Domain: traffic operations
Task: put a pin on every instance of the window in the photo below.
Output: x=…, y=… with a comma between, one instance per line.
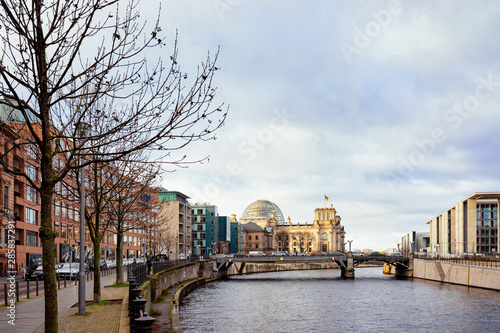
x=57, y=208
x=31, y=171
x=256, y=237
x=31, y=238
x=57, y=229
x=63, y=210
x=63, y=190
x=324, y=236
x=256, y=246
x=31, y=150
x=30, y=216
x=6, y=196
x=64, y=230
x=249, y=237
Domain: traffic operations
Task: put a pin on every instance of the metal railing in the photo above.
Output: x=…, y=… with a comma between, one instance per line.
x=159, y=266
x=28, y=288
x=138, y=271
x=477, y=262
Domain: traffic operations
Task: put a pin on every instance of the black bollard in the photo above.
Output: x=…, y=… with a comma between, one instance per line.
x=134, y=293
x=138, y=307
x=144, y=324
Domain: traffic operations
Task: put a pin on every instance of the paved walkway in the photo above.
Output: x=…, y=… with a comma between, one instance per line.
x=30, y=313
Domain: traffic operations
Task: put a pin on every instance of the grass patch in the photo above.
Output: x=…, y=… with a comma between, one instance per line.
x=154, y=312
x=121, y=285
x=101, y=303
x=162, y=296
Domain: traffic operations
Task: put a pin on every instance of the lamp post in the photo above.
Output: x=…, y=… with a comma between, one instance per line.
x=83, y=131
x=349, y=241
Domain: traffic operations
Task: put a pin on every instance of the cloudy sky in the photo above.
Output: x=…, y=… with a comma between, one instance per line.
x=389, y=108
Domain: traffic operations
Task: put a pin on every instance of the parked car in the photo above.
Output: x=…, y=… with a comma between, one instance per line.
x=335, y=254
x=299, y=254
x=111, y=263
x=29, y=272
x=256, y=254
x=395, y=254
x=279, y=253
x=318, y=253
x=358, y=254
x=377, y=254
x=37, y=273
x=69, y=270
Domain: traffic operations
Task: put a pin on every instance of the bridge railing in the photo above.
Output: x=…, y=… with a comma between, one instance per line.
x=470, y=261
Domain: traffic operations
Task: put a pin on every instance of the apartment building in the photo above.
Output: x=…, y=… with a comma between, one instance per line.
x=20, y=207
x=175, y=225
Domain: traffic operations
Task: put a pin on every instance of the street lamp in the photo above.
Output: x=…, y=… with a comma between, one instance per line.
x=349, y=241
x=83, y=130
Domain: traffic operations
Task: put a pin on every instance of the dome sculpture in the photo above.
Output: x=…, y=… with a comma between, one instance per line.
x=261, y=210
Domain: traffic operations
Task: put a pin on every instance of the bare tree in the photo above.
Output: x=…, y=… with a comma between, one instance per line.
x=108, y=182
x=131, y=182
x=282, y=240
x=66, y=63
x=303, y=241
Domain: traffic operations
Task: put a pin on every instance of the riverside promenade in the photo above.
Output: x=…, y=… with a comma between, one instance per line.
x=30, y=312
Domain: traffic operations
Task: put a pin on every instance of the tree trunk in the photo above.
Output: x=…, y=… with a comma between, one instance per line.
x=97, y=272
x=118, y=257
x=47, y=236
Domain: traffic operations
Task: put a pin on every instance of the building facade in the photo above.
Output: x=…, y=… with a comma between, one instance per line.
x=205, y=229
x=223, y=234
x=175, y=225
x=21, y=206
x=256, y=238
x=324, y=234
x=236, y=242
x=469, y=227
x=413, y=242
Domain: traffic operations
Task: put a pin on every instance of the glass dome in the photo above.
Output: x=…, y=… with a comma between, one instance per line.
x=262, y=210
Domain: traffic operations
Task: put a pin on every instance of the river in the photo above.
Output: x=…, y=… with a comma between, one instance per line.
x=320, y=301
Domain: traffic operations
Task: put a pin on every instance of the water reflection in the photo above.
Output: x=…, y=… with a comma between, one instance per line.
x=320, y=301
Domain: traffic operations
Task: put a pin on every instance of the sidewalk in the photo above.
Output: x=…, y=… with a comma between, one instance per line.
x=30, y=312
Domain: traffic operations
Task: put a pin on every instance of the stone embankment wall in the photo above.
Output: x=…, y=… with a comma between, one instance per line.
x=251, y=268
x=472, y=276
x=189, y=271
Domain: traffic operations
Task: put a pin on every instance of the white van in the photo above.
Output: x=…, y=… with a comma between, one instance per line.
x=256, y=253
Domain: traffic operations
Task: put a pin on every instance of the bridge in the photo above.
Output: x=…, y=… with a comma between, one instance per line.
x=347, y=264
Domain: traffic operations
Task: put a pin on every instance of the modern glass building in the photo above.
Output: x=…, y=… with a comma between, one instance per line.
x=236, y=243
x=469, y=227
x=205, y=229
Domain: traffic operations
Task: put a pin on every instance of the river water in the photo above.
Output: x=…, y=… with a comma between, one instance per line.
x=320, y=301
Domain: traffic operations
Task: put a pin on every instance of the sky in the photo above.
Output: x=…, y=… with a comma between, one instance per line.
x=389, y=108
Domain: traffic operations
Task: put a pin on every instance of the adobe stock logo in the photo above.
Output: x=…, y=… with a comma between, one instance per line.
x=453, y=119
x=362, y=38
x=248, y=150
x=224, y=6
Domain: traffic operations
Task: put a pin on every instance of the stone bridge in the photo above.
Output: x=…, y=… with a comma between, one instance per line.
x=347, y=263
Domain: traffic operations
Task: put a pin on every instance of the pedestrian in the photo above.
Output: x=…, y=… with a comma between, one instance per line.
x=149, y=263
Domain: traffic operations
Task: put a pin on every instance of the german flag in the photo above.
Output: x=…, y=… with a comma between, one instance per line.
x=326, y=198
